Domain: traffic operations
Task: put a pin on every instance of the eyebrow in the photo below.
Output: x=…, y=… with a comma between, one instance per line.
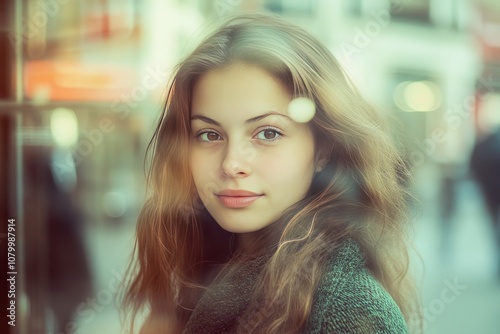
x=248, y=121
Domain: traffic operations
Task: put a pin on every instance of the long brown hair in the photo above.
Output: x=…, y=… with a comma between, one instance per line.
x=360, y=193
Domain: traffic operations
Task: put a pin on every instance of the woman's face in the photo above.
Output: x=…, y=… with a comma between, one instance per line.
x=249, y=161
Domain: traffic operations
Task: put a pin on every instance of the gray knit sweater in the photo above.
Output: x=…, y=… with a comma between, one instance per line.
x=347, y=300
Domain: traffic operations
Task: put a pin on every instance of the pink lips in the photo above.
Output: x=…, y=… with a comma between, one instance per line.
x=237, y=198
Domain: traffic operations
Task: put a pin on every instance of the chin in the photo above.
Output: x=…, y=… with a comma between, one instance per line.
x=235, y=227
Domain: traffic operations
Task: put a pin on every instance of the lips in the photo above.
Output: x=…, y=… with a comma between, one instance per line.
x=237, y=198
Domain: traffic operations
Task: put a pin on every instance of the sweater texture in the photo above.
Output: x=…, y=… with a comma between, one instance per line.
x=348, y=299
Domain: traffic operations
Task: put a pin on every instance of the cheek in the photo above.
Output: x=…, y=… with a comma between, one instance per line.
x=204, y=170
x=196, y=161
x=287, y=166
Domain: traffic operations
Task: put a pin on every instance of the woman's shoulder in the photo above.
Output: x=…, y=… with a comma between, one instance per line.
x=350, y=300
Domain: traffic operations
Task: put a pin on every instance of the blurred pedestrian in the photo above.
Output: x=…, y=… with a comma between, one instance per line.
x=58, y=275
x=485, y=161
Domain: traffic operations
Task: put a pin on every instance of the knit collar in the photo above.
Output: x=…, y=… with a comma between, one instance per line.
x=219, y=308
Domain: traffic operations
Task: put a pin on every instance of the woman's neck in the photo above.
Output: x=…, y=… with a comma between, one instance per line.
x=246, y=242
x=256, y=243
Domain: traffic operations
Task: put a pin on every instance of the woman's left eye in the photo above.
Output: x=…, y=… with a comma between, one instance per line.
x=269, y=134
x=208, y=136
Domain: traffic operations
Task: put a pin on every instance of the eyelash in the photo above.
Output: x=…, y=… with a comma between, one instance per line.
x=200, y=133
x=278, y=132
x=273, y=129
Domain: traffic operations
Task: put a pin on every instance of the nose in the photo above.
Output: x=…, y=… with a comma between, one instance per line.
x=236, y=161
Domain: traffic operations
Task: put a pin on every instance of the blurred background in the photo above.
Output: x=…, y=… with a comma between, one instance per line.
x=82, y=84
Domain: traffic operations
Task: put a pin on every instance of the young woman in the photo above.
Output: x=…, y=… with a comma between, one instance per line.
x=258, y=221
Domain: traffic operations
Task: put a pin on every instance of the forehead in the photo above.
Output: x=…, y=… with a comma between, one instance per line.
x=239, y=87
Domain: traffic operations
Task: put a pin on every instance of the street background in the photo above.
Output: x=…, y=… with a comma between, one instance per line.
x=82, y=86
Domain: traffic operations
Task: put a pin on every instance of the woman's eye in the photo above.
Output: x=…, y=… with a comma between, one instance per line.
x=209, y=136
x=268, y=134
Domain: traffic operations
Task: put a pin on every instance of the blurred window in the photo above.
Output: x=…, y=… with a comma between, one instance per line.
x=295, y=7
x=415, y=10
x=353, y=7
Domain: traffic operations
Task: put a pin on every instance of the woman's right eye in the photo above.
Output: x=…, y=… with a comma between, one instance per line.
x=208, y=136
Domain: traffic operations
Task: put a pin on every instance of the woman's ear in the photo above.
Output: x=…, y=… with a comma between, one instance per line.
x=322, y=157
x=320, y=164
